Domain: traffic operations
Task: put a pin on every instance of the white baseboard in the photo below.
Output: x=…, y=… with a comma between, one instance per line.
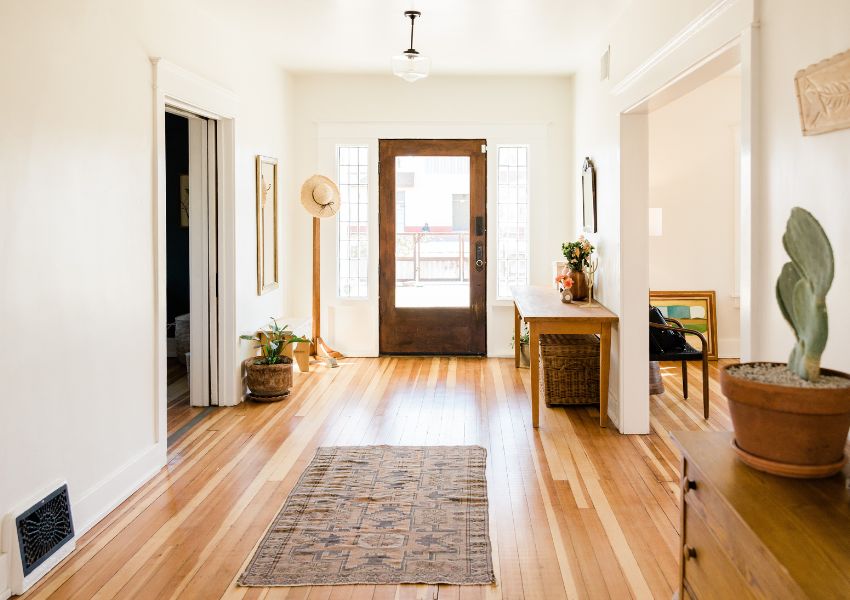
x=96, y=503
x=5, y=591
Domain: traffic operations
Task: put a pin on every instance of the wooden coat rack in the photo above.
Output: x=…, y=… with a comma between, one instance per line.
x=318, y=342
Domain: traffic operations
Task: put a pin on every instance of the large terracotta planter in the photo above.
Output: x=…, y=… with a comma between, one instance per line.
x=789, y=431
x=580, y=288
x=268, y=383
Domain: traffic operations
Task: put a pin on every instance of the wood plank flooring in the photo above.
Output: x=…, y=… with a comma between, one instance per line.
x=180, y=413
x=576, y=511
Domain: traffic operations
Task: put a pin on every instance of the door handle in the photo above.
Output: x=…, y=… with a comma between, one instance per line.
x=479, y=256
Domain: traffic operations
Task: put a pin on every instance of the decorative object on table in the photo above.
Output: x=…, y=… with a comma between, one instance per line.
x=668, y=341
x=823, y=95
x=267, y=251
x=565, y=283
x=792, y=419
x=558, y=267
x=695, y=310
x=588, y=194
x=410, y=65
x=569, y=365
x=524, y=337
x=577, y=255
x=590, y=274
x=320, y=197
x=380, y=515
x=184, y=201
x=269, y=376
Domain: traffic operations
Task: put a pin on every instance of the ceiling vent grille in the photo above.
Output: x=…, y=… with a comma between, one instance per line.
x=44, y=535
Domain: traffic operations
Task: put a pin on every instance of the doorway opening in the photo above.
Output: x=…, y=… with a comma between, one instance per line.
x=433, y=240
x=694, y=221
x=191, y=269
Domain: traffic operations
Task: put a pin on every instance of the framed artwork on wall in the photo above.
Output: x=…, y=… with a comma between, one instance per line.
x=588, y=195
x=267, y=250
x=695, y=310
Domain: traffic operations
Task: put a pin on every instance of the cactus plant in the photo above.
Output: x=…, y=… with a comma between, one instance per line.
x=801, y=290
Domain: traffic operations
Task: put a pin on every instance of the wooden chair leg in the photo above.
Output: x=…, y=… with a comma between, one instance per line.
x=685, y=378
x=705, y=398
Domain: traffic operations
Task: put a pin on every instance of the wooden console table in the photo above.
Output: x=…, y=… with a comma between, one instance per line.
x=747, y=534
x=542, y=309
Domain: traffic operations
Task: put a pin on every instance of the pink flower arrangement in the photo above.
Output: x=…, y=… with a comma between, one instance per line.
x=564, y=280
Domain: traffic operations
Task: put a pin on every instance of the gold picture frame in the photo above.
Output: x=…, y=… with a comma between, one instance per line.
x=695, y=310
x=267, y=217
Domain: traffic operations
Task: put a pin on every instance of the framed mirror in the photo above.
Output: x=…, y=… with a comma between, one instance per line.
x=588, y=193
x=267, y=251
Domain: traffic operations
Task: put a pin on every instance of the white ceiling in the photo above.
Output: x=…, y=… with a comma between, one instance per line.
x=460, y=36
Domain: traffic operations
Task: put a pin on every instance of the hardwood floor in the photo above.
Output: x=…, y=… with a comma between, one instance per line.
x=180, y=413
x=576, y=511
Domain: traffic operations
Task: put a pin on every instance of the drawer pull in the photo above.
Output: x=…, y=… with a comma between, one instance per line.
x=690, y=484
x=690, y=552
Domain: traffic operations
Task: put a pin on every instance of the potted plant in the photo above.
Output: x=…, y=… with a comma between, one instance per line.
x=269, y=376
x=792, y=419
x=577, y=255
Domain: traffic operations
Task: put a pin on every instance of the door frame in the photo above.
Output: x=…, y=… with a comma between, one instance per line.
x=183, y=90
x=702, y=42
x=476, y=150
x=351, y=324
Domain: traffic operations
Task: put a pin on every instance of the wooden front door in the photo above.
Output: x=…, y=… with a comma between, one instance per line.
x=433, y=247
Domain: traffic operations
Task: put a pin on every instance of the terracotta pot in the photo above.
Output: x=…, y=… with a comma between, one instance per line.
x=789, y=431
x=268, y=382
x=579, y=289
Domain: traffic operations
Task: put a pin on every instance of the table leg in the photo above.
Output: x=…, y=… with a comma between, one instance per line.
x=604, y=369
x=517, y=329
x=533, y=342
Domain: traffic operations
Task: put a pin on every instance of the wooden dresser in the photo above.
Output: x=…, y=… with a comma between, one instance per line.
x=746, y=534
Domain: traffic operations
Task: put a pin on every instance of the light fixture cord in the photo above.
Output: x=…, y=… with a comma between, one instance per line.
x=412, y=21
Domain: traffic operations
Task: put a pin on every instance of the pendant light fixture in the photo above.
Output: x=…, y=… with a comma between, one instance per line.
x=411, y=66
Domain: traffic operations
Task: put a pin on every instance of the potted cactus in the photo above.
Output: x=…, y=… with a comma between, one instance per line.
x=269, y=376
x=792, y=419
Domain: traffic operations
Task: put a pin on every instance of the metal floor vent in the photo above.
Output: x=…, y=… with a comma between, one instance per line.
x=44, y=528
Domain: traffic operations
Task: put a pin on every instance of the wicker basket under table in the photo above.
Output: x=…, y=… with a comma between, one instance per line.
x=569, y=369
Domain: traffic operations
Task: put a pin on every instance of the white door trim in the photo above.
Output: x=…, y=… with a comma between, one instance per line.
x=182, y=89
x=733, y=27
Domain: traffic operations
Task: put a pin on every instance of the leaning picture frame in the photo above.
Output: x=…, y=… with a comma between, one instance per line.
x=696, y=310
x=267, y=218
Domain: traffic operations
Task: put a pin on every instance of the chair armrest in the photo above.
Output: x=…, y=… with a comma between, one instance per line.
x=676, y=321
x=681, y=329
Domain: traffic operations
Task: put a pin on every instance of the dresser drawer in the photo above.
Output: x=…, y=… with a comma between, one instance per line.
x=708, y=571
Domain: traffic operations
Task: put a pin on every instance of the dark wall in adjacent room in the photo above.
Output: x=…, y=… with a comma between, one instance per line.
x=177, y=237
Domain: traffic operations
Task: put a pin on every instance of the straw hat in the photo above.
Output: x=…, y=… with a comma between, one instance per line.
x=320, y=196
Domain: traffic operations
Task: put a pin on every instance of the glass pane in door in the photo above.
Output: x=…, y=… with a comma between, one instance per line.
x=432, y=231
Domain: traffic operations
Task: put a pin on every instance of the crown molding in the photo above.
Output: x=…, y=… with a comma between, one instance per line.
x=711, y=14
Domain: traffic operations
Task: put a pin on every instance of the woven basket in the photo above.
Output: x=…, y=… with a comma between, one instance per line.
x=569, y=369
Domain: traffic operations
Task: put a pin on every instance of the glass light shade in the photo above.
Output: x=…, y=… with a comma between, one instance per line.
x=411, y=67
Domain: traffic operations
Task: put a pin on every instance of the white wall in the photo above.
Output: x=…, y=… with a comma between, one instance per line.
x=334, y=109
x=77, y=372
x=693, y=179
x=811, y=172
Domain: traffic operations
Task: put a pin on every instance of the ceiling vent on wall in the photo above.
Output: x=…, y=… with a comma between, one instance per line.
x=38, y=537
x=605, y=65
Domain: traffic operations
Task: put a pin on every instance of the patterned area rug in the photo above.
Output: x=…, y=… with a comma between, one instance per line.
x=381, y=515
